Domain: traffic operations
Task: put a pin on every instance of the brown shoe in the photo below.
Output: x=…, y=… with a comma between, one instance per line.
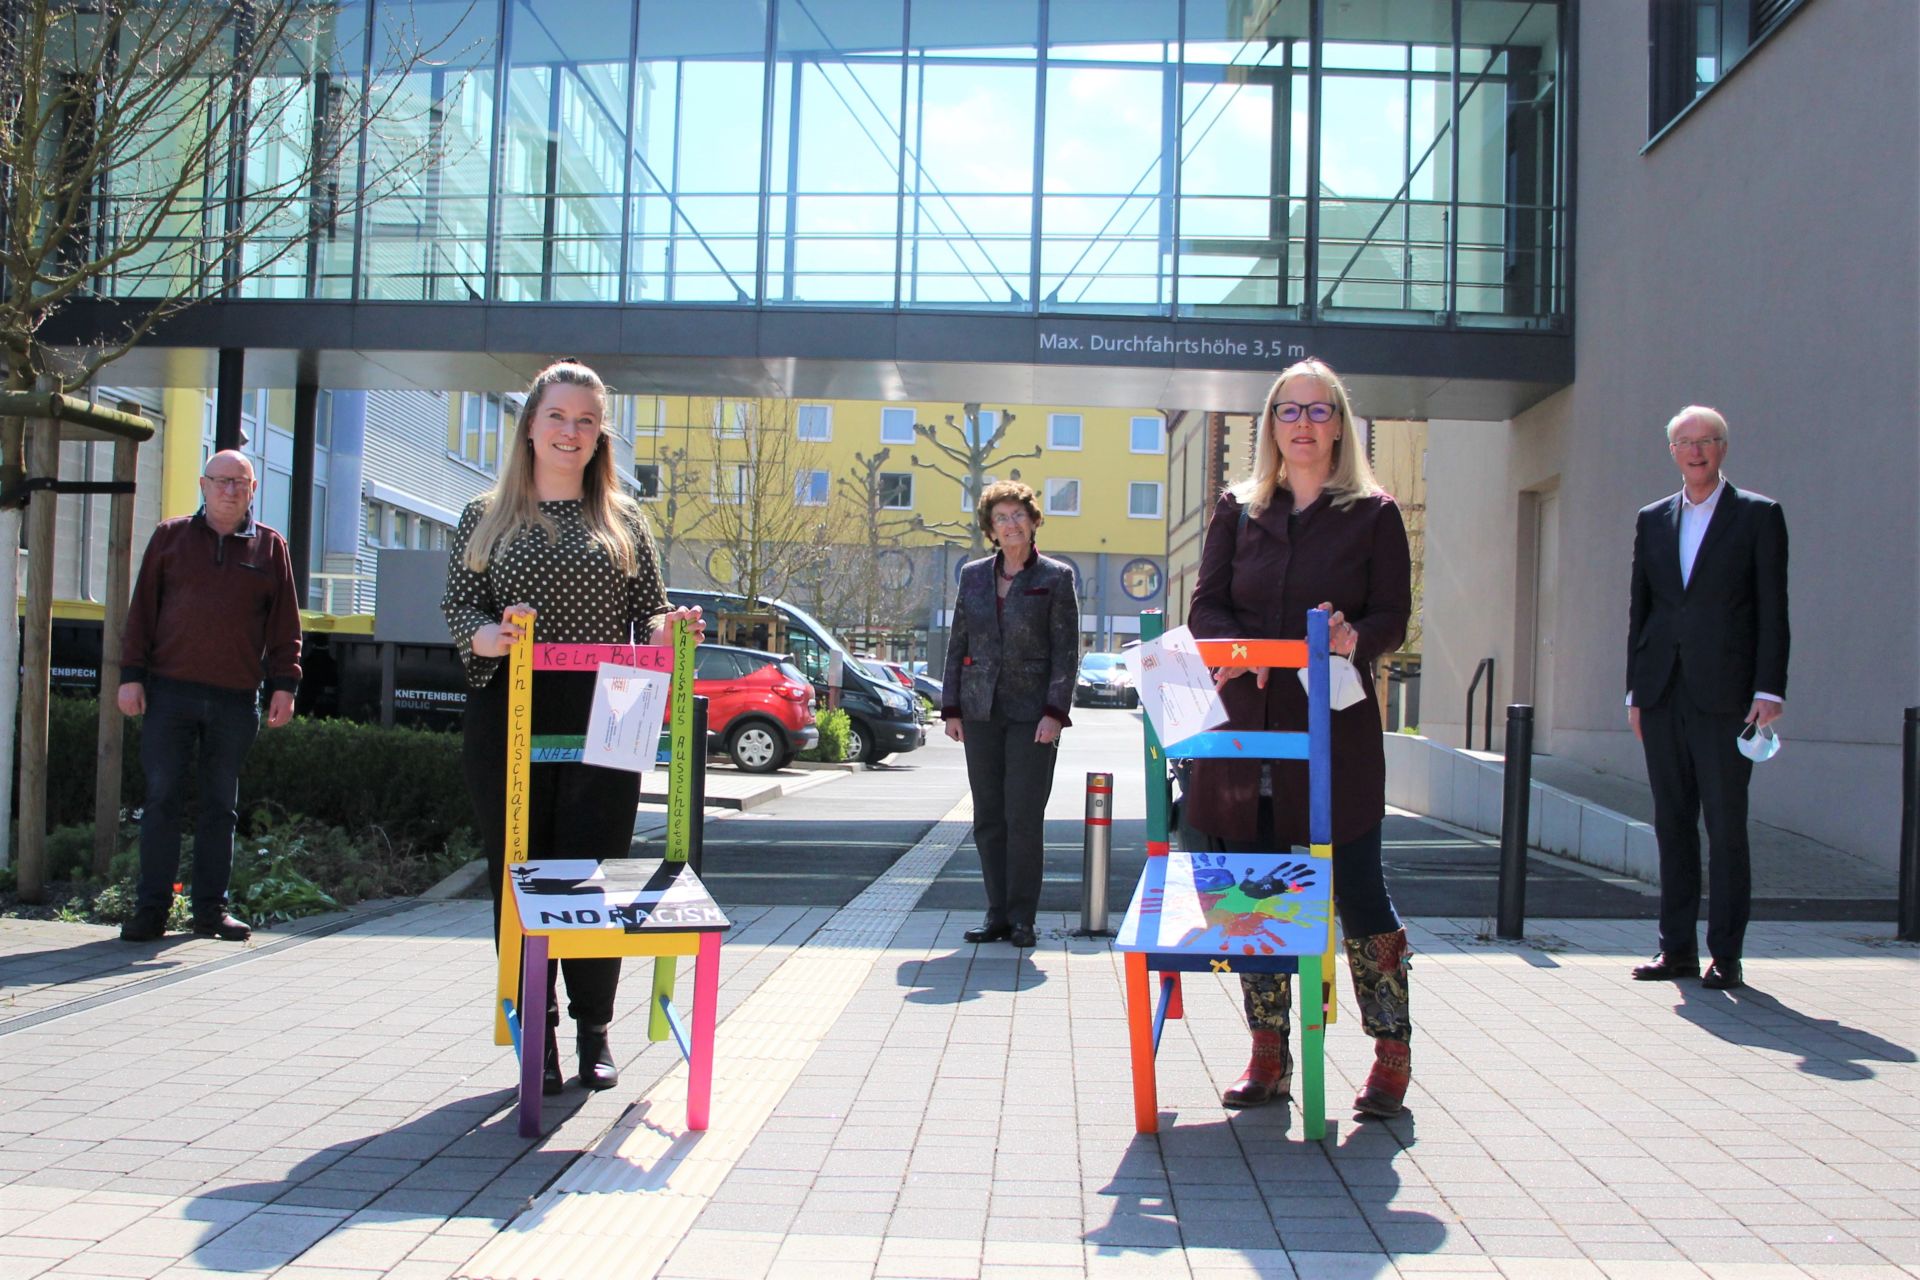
x=1268, y=1077
x=220, y=925
x=1385, y=1091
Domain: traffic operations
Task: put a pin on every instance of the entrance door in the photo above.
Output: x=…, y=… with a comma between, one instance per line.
x=1546, y=610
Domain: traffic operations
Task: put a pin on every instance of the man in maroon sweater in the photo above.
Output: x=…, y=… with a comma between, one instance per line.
x=214, y=614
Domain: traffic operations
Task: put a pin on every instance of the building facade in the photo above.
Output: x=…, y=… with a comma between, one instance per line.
x=1748, y=241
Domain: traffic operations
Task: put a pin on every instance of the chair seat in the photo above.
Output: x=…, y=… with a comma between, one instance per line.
x=1258, y=912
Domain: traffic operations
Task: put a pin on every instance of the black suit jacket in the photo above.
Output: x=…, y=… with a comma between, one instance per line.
x=1022, y=655
x=1727, y=626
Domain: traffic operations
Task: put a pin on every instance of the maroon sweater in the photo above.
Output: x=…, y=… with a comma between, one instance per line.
x=214, y=609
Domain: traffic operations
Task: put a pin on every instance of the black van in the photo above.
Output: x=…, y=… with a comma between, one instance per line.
x=884, y=718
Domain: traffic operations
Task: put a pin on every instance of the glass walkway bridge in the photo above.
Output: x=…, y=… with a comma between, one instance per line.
x=1135, y=201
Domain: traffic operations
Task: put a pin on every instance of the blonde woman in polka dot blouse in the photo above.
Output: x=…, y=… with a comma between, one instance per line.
x=556, y=547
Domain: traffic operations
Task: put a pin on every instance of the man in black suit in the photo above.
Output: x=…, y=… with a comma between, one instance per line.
x=1707, y=646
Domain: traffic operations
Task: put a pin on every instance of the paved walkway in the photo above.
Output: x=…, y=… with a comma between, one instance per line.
x=892, y=1102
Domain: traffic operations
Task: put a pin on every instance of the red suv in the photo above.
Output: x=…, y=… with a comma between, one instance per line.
x=759, y=706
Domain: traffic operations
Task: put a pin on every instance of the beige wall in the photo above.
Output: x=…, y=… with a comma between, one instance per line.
x=1761, y=258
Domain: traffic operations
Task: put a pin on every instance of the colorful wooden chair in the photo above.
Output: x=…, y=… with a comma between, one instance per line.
x=1237, y=913
x=654, y=908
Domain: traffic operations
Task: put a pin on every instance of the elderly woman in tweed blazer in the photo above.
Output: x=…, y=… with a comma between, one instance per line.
x=1011, y=658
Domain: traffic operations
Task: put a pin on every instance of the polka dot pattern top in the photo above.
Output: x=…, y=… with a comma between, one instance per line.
x=574, y=586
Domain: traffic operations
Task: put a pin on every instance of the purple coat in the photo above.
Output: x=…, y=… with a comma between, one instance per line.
x=1260, y=578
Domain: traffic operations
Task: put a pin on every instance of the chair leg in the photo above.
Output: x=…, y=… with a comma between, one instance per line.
x=1146, y=1103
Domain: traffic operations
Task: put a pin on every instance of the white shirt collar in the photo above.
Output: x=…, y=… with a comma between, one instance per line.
x=1712, y=498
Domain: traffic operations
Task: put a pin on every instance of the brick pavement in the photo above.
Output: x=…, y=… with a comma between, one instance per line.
x=335, y=1108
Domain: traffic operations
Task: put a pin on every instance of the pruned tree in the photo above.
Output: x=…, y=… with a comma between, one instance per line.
x=862, y=591
x=167, y=153
x=968, y=456
x=677, y=509
x=768, y=517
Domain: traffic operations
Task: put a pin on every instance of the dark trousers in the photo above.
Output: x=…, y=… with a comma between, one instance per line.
x=1695, y=769
x=573, y=811
x=184, y=719
x=1011, y=777
x=1359, y=881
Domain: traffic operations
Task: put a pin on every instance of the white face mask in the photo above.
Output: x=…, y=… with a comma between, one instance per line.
x=1343, y=683
x=1758, y=744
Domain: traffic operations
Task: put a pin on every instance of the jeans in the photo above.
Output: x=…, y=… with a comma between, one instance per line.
x=221, y=724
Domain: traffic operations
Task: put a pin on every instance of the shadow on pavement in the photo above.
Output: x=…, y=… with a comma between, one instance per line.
x=465, y=1159
x=957, y=978
x=1248, y=1182
x=1828, y=1048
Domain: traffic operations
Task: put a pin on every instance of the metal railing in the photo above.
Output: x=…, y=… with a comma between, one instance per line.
x=1484, y=669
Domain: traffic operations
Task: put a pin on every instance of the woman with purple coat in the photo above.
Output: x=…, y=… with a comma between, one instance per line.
x=1310, y=528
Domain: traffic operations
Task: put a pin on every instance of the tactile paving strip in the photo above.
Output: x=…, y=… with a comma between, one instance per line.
x=623, y=1207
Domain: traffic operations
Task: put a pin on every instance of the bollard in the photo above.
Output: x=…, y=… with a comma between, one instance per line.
x=1910, y=828
x=1513, y=822
x=1095, y=857
x=697, y=828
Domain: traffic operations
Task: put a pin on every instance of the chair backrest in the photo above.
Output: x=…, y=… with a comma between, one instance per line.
x=1225, y=906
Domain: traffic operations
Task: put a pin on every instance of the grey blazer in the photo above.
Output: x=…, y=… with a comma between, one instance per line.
x=1019, y=660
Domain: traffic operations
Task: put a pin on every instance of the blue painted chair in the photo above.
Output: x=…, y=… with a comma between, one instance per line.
x=1237, y=913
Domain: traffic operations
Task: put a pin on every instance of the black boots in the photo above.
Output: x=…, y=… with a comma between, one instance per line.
x=551, y=1081
x=148, y=924
x=596, y=1059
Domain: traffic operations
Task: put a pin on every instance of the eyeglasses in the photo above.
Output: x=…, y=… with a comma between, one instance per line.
x=1703, y=442
x=1318, y=411
x=229, y=484
x=1006, y=519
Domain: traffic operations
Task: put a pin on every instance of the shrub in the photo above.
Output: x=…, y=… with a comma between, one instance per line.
x=833, y=725
x=336, y=772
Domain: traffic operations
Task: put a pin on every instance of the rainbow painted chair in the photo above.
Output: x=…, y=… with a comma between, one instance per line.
x=1236, y=912
x=566, y=908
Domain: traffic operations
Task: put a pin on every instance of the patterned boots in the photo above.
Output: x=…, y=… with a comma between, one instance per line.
x=1379, y=965
x=1269, y=1075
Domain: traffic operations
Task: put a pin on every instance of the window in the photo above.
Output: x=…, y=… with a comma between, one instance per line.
x=810, y=488
x=1063, y=497
x=730, y=484
x=896, y=425
x=980, y=428
x=1063, y=431
x=1143, y=500
x=646, y=480
x=710, y=663
x=896, y=490
x=649, y=415
x=481, y=420
x=1147, y=434
x=731, y=418
x=814, y=421
x=1695, y=43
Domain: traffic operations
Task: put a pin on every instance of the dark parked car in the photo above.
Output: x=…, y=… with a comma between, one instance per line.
x=1104, y=678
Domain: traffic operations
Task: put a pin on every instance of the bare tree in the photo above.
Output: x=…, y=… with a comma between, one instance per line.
x=768, y=514
x=968, y=456
x=676, y=510
x=863, y=592
x=167, y=153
